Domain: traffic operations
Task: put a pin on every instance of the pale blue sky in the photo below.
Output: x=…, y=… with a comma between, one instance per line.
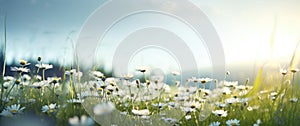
x=41, y=28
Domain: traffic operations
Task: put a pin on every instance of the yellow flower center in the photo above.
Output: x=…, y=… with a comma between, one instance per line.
x=13, y=111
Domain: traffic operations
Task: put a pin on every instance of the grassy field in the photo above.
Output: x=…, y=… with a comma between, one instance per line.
x=73, y=100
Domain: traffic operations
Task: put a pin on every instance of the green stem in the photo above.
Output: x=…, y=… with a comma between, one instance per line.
x=9, y=91
x=4, y=63
x=43, y=74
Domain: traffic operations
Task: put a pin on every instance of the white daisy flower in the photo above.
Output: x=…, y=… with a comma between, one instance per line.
x=40, y=84
x=20, y=69
x=15, y=109
x=294, y=70
x=83, y=121
x=226, y=91
x=215, y=124
x=127, y=76
x=220, y=105
x=49, y=108
x=294, y=99
x=233, y=122
x=142, y=69
x=104, y=108
x=6, y=113
x=188, y=117
x=220, y=113
x=283, y=71
x=175, y=73
x=97, y=74
x=230, y=101
x=205, y=80
x=75, y=101
x=73, y=73
x=143, y=112
x=230, y=83
x=23, y=62
x=38, y=77
x=9, y=78
x=44, y=66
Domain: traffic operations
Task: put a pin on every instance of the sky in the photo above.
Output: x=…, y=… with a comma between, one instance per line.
x=50, y=29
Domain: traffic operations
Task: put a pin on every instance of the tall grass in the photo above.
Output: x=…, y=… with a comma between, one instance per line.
x=4, y=64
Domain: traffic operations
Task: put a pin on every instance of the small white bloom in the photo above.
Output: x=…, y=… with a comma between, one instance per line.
x=294, y=99
x=44, y=66
x=15, y=109
x=175, y=73
x=230, y=101
x=142, y=69
x=233, y=122
x=230, y=83
x=49, y=108
x=143, y=112
x=226, y=91
x=97, y=74
x=215, y=124
x=188, y=117
x=20, y=69
x=6, y=113
x=75, y=101
x=205, y=80
x=221, y=113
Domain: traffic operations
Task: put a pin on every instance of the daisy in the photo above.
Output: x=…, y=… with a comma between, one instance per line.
x=40, y=84
x=233, y=122
x=142, y=69
x=283, y=71
x=75, y=101
x=226, y=91
x=127, y=76
x=175, y=73
x=215, y=124
x=258, y=122
x=9, y=78
x=230, y=83
x=143, y=112
x=220, y=105
x=220, y=113
x=73, y=73
x=44, y=66
x=23, y=62
x=6, y=113
x=38, y=77
x=294, y=99
x=230, y=101
x=97, y=74
x=53, y=80
x=49, y=108
x=26, y=77
x=20, y=69
x=83, y=121
x=15, y=109
x=204, y=80
x=294, y=70
x=188, y=117
x=104, y=108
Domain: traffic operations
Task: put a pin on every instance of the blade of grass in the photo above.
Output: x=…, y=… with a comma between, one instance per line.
x=4, y=62
x=296, y=56
x=257, y=84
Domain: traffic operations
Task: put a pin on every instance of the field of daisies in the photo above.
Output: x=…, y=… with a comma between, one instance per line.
x=92, y=98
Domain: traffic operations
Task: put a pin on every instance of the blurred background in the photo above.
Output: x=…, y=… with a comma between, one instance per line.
x=251, y=32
